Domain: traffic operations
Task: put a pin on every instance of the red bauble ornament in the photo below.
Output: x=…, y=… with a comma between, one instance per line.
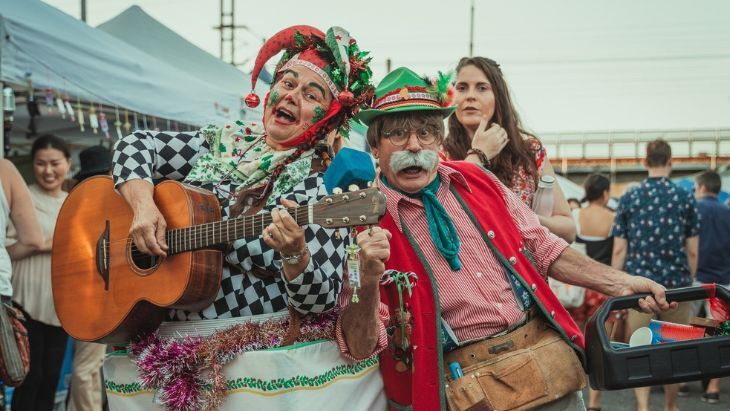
x=252, y=100
x=347, y=99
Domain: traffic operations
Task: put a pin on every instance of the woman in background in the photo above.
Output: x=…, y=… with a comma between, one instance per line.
x=16, y=207
x=32, y=279
x=594, y=221
x=486, y=130
x=593, y=229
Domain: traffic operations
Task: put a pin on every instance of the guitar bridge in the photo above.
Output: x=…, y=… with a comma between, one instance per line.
x=102, y=256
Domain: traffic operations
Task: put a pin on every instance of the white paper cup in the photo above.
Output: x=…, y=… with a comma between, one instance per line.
x=641, y=336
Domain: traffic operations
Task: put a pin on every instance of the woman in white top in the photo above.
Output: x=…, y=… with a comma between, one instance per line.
x=32, y=279
x=16, y=207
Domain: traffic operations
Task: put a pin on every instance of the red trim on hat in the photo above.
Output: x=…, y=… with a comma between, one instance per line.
x=409, y=102
x=398, y=91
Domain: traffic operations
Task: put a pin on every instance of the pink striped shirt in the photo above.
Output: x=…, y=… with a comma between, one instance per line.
x=477, y=301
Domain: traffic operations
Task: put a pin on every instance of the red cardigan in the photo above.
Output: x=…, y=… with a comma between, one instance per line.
x=421, y=386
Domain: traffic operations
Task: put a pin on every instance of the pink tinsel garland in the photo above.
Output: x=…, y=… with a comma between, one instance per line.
x=175, y=367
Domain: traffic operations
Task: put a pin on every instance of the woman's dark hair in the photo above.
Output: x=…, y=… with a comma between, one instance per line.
x=518, y=151
x=50, y=141
x=595, y=185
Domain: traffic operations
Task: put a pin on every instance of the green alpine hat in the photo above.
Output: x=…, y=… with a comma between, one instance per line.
x=403, y=90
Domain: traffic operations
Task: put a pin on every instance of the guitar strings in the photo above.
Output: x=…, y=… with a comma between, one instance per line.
x=201, y=233
x=204, y=233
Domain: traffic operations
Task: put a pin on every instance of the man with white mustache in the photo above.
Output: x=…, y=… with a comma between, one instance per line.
x=424, y=159
x=453, y=292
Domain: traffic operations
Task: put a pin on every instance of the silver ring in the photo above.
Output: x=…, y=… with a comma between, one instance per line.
x=270, y=234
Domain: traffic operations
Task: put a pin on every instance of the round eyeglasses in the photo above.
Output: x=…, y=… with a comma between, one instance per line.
x=425, y=135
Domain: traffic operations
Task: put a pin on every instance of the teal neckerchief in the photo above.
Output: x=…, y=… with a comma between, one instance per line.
x=442, y=228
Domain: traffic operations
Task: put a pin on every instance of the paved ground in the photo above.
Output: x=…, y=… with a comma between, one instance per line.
x=625, y=400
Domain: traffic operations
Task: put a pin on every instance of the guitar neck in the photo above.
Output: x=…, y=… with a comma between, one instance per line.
x=212, y=235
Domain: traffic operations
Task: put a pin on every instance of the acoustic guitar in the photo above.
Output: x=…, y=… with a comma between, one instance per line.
x=105, y=290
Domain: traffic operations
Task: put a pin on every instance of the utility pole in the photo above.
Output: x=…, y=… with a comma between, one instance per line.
x=83, y=11
x=471, y=31
x=387, y=65
x=227, y=28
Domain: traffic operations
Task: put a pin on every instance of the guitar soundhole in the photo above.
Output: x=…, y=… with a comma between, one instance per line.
x=144, y=261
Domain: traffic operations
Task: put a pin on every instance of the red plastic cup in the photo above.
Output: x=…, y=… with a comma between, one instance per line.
x=664, y=332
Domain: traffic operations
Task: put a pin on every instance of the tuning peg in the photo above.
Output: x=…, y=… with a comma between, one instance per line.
x=370, y=184
x=336, y=190
x=353, y=187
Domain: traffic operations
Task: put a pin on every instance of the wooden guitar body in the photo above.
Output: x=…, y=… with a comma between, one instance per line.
x=106, y=291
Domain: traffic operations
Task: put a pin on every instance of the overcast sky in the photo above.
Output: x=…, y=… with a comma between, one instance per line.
x=571, y=64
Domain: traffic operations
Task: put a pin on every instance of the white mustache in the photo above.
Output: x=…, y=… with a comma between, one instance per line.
x=425, y=159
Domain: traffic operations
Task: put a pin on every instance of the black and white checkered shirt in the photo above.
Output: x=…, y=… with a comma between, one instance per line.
x=152, y=155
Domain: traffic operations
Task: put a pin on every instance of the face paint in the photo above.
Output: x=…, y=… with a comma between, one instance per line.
x=273, y=98
x=318, y=114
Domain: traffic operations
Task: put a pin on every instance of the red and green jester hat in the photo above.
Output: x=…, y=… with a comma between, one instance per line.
x=336, y=58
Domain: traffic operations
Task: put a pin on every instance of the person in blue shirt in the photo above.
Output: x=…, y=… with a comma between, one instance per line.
x=714, y=259
x=656, y=236
x=714, y=262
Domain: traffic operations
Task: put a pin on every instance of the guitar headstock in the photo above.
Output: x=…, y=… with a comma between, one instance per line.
x=351, y=208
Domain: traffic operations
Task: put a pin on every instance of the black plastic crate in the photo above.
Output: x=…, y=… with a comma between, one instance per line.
x=613, y=369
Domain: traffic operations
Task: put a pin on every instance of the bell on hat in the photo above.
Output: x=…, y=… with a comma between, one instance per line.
x=252, y=100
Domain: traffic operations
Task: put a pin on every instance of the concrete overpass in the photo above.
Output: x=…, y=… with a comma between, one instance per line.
x=620, y=153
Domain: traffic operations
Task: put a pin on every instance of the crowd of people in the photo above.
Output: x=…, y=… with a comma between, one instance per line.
x=443, y=305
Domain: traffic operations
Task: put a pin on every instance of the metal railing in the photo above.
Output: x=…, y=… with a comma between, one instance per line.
x=611, y=147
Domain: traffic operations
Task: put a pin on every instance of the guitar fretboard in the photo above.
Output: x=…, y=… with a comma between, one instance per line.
x=213, y=234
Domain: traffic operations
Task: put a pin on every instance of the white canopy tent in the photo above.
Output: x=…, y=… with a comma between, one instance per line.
x=67, y=55
x=139, y=29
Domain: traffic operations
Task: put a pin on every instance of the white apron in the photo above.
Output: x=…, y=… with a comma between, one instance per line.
x=307, y=376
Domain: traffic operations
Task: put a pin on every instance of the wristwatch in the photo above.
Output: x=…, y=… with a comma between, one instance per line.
x=294, y=258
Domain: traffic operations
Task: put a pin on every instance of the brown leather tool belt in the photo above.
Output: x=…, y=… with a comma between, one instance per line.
x=527, y=367
x=521, y=337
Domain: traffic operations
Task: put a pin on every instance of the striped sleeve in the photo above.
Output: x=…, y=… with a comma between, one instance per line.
x=343, y=302
x=544, y=246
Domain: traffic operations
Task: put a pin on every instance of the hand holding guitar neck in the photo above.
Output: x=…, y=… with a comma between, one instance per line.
x=285, y=236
